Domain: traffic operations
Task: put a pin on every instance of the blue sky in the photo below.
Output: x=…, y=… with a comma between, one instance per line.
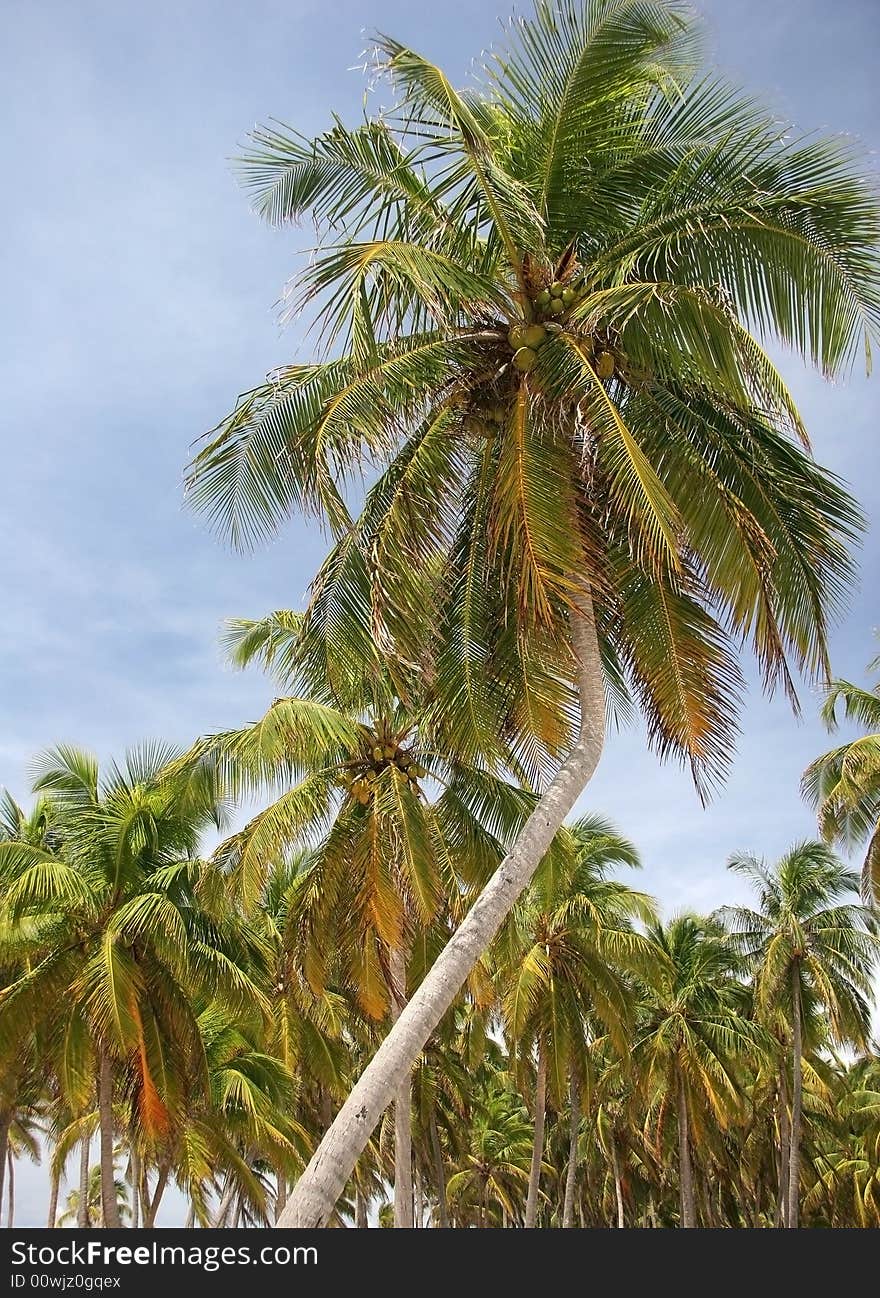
x=138, y=301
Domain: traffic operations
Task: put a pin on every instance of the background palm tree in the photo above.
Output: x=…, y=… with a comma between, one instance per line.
x=844, y=784
x=806, y=946
x=542, y=323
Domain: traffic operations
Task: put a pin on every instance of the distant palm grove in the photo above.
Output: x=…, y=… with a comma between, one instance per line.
x=562, y=483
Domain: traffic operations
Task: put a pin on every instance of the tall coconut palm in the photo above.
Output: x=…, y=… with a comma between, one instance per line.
x=542, y=301
x=117, y=939
x=844, y=784
x=565, y=960
x=807, y=945
x=390, y=859
x=693, y=1037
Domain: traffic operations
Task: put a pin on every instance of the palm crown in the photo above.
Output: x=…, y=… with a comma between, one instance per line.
x=543, y=302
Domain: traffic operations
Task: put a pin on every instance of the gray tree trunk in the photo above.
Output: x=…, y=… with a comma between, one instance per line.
x=280, y=1194
x=781, y=1215
x=687, y=1206
x=403, y=1171
x=10, y=1215
x=361, y=1220
x=54, y=1182
x=109, y=1205
x=537, y=1141
x=314, y=1196
x=5, y=1124
x=82, y=1215
x=618, y=1184
x=150, y=1213
x=440, y=1173
x=574, y=1124
x=797, y=1100
x=225, y=1204
x=135, y=1187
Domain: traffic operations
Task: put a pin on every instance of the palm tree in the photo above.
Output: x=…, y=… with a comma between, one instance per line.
x=807, y=947
x=844, y=784
x=390, y=860
x=565, y=959
x=116, y=940
x=692, y=1038
x=541, y=301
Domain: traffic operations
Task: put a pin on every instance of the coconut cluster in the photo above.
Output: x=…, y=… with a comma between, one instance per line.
x=379, y=752
x=549, y=302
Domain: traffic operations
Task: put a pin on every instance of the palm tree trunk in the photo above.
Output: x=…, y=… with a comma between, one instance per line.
x=10, y=1215
x=82, y=1215
x=225, y=1204
x=687, y=1208
x=314, y=1196
x=797, y=1097
x=190, y=1222
x=150, y=1214
x=54, y=1182
x=361, y=1221
x=574, y=1123
x=618, y=1184
x=439, y=1172
x=109, y=1204
x=280, y=1194
x=5, y=1124
x=537, y=1141
x=135, y=1187
x=781, y=1215
x=403, y=1172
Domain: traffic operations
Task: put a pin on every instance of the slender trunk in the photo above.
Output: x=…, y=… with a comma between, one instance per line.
x=54, y=1182
x=280, y=1194
x=109, y=1204
x=439, y=1172
x=190, y=1222
x=537, y=1141
x=135, y=1187
x=403, y=1176
x=10, y=1215
x=574, y=1124
x=5, y=1124
x=314, y=1196
x=618, y=1184
x=687, y=1210
x=781, y=1215
x=797, y=1097
x=361, y=1221
x=150, y=1213
x=82, y=1216
x=483, y=1196
x=225, y=1204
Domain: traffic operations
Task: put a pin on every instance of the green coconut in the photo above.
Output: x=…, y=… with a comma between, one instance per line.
x=568, y=296
x=556, y=288
x=543, y=298
x=378, y=753
x=534, y=336
x=515, y=336
x=557, y=306
x=388, y=751
x=525, y=359
x=605, y=365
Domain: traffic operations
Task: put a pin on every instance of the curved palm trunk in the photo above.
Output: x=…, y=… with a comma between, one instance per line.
x=280, y=1194
x=109, y=1204
x=537, y=1141
x=797, y=1099
x=225, y=1204
x=618, y=1184
x=439, y=1172
x=403, y=1171
x=82, y=1215
x=361, y=1221
x=574, y=1123
x=687, y=1206
x=54, y=1183
x=314, y=1196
